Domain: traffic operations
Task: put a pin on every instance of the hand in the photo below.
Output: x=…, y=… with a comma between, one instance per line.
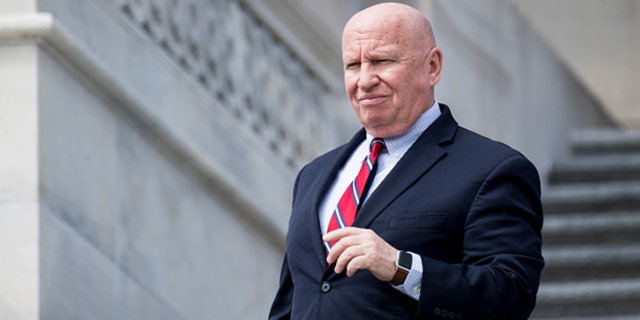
x=359, y=249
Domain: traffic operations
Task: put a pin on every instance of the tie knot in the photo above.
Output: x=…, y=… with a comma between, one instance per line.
x=377, y=144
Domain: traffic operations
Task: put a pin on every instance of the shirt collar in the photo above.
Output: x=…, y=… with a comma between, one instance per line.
x=401, y=143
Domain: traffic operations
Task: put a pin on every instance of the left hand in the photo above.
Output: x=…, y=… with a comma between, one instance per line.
x=359, y=249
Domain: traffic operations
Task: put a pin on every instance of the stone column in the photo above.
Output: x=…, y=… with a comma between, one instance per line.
x=19, y=206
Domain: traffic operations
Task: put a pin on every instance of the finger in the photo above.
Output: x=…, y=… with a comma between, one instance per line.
x=356, y=264
x=338, y=234
x=354, y=237
x=345, y=259
x=350, y=238
x=339, y=247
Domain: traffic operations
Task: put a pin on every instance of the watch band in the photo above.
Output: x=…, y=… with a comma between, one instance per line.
x=399, y=277
x=403, y=266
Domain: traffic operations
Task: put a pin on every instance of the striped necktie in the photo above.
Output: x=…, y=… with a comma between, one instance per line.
x=345, y=211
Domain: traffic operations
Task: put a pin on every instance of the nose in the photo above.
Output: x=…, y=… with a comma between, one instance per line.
x=368, y=77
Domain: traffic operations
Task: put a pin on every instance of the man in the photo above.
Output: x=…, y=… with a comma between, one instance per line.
x=448, y=226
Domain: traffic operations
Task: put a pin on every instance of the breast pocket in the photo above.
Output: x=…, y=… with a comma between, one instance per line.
x=422, y=221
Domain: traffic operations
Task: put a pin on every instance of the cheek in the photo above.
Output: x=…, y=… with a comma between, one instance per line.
x=350, y=86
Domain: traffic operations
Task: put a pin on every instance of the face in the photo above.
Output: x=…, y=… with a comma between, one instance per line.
x=389, y=76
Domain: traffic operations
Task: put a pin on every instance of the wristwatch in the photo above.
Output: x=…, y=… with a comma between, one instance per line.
x=403, y=266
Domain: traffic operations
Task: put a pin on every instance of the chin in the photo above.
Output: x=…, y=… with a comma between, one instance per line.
x=377, y=130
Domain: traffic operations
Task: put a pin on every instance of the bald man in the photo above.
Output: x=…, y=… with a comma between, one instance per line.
x=442, y=223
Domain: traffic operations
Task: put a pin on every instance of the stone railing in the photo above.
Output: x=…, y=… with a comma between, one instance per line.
x=244, y=66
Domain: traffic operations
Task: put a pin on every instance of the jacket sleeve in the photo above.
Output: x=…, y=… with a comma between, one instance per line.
x=499, y=274
x=281, y=307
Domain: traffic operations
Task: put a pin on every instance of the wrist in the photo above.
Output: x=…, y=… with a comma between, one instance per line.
x=403, y=267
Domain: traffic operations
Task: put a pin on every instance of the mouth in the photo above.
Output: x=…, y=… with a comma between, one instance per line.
x=371, y=99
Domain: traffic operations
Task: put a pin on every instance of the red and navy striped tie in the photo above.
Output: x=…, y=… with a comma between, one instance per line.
x=345, y=211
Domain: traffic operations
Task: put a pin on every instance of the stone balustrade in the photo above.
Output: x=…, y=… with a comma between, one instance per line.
x=244, y=65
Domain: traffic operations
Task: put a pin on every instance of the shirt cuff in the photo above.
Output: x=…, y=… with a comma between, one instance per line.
x=412, y=285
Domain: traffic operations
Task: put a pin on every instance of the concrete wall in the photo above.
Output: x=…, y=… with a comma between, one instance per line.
x=19, y=203
x=125, y=231
x=501, y=80
x=136, y=183
x=599, y=42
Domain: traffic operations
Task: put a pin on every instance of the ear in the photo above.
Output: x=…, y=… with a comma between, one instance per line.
x=434, y=63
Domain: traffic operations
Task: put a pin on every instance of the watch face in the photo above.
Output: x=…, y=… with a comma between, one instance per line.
x=405, y=260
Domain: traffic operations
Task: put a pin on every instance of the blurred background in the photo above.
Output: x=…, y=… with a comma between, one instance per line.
x=148, y=147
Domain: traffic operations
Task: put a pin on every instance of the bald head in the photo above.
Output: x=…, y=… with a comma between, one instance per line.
x=395, y=18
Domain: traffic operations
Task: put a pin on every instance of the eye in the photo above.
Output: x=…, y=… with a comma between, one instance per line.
x=382, y=61
x=352, y=65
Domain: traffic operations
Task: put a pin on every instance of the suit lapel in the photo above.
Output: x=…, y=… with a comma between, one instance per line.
x=418, y=160
x=324, y=181
x=421, y=157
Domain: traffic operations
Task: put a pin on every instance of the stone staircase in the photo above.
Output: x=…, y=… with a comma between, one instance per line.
x=591, y=236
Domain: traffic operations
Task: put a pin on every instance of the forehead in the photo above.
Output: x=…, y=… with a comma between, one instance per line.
x=356, y=43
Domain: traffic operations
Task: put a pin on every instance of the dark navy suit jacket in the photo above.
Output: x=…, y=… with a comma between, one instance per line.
x=469, y=206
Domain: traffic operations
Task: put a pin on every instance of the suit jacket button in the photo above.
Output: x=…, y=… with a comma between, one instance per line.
x=325, y=287
x=436, y=311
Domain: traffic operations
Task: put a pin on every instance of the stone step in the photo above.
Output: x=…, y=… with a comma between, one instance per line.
x=580, y=229
x=588, y=299
x=601, y=168
x=603, y=141
x=591, y=235
x=592, y=198
x=585, y=263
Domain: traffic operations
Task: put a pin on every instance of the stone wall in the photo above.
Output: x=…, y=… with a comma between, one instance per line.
x=155, y=145
x=503, y=81
x=609, y=69
x=19, y=203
